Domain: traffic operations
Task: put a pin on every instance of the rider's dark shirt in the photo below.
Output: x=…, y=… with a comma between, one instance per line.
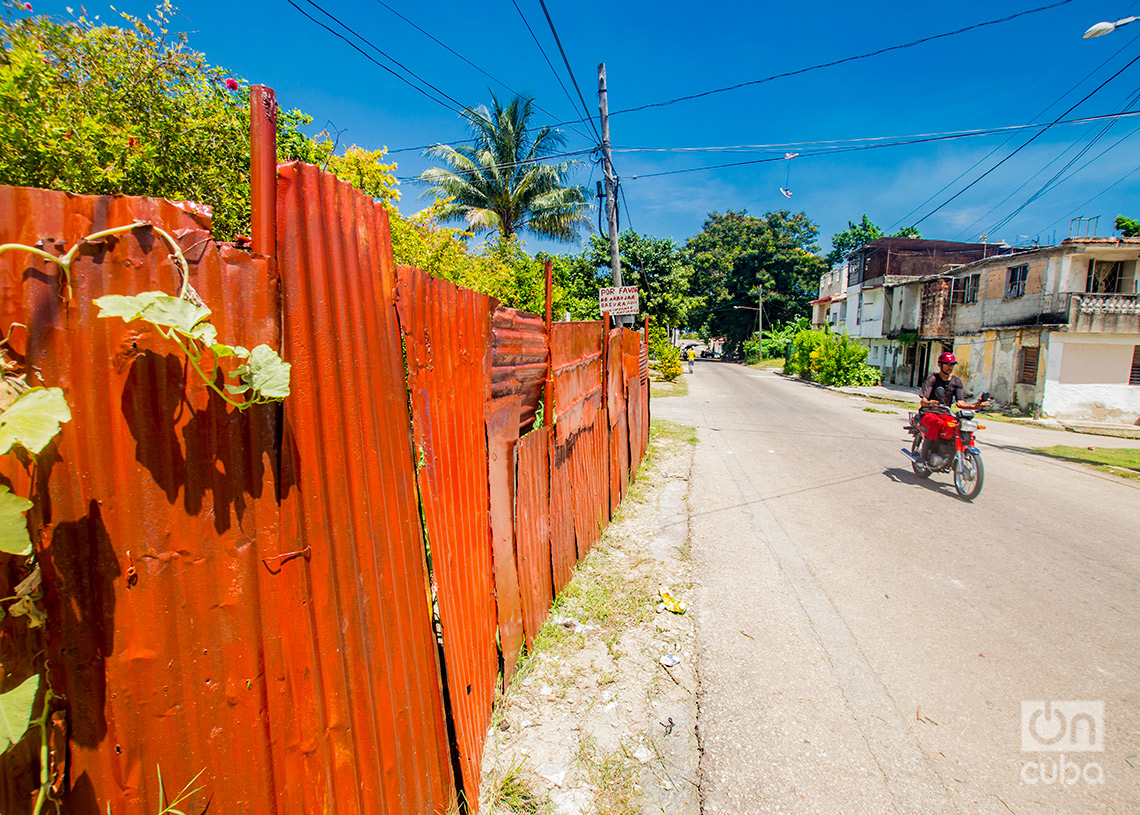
x=952, y=390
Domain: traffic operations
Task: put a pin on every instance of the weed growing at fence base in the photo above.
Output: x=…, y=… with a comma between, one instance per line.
x=613, y=776
x=508, y=792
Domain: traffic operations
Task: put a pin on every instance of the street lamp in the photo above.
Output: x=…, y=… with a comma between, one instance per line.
x=1100, y=29
x=760, y=318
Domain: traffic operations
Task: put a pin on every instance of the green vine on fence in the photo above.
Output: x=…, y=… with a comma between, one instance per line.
x=35, y=416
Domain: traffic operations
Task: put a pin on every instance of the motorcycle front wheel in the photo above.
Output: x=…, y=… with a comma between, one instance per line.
x=921, y=470
x=969, y=475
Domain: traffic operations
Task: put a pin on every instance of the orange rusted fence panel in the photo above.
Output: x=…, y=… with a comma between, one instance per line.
x=635, y=422
x=563, y=547
x=532, y=530
x=359, y=723
x=502, y=436
x=447, y=335
x=576, y=364
x=519, y=361
x=254, y=593
x=146, y=524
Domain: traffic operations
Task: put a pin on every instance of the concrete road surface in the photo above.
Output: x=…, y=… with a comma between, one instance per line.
x=868, y=643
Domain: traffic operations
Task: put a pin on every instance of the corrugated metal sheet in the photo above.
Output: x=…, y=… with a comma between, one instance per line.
x=447, y=333
x=532, y=530
x=138, y=491
x=519, y=362
x=153, y=473
x=563, y=548
x=502, y=436
x=615, y=381
x=638, y=396
x=576, y=364
x=356, y=711
x=590, y=477
x=631, y=353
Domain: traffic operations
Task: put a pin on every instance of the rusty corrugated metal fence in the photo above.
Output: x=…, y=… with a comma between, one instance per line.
x=311, y=602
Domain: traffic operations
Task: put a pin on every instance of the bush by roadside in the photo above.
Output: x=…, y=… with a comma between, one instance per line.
x=831, y=359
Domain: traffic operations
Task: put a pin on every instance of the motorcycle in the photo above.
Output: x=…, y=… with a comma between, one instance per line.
x=954, y=450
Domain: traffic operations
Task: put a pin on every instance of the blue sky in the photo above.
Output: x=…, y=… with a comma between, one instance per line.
x=1027, y=70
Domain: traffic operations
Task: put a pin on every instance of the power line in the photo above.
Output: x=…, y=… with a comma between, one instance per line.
x=507, y=165
x=628, y=218
x=842, y=61
x=899, y=142
x=1049, y=185
x=459, y=105
x=971, y=168
x=569, y=70
x=542, y=51
x=905, y=139
x=452, y=51
x=1028, y=141
x=969, y=229
x=1120, y=180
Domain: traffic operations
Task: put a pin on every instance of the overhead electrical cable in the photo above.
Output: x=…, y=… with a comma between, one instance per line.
x=542, y=51
x=980, y=161
x=1029, y=141
x=970, y=228
x=508, y=164
x=842, y=61
x=899, y=142
x=458, y=105
x=569, y=70
x=1115, y=183
x=905, y=139
x=1052, y=183
x=455, y=53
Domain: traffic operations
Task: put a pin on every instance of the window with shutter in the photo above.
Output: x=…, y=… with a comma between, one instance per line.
x=1028, y=366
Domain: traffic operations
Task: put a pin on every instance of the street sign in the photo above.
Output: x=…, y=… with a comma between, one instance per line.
x=618, y=301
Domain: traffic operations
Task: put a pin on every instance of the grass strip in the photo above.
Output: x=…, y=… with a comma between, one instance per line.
x=1121, y=461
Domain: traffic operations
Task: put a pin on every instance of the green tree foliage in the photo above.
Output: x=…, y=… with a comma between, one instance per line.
x=1128, y=227
x=505, y=182
x=657, y=266
x=860, y=234
x=738, y=256
x=94, y=108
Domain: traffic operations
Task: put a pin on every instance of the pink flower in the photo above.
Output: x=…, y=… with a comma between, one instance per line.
x=232, y=83
x=28, y=6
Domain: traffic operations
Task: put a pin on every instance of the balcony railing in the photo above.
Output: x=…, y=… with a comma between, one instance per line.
x=1088, y=303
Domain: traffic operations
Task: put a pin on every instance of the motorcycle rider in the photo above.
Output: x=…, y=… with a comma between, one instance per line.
x=945, y=390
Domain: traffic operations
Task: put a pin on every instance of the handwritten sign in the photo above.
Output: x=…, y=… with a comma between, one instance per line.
x=617, y=301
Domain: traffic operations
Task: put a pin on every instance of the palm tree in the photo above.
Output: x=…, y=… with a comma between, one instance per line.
x=501, y=183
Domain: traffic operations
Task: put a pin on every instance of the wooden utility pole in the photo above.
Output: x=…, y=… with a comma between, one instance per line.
x=611, y=181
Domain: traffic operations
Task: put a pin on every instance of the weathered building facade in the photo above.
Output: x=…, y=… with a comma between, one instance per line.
x=1055, y=329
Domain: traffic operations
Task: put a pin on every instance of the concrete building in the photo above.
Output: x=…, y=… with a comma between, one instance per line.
x=1055, y=330
x=828, y=307
x=881, y=311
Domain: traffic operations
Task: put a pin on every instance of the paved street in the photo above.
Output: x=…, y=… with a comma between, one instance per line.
x=866, y=640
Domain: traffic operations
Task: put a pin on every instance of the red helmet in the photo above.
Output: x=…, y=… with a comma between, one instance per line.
x=945, y=357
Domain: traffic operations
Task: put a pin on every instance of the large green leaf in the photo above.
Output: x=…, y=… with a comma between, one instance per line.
x=265, y=373
x=16, y=707
x=13, y=526
x=33, y=419
x=161, y=309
